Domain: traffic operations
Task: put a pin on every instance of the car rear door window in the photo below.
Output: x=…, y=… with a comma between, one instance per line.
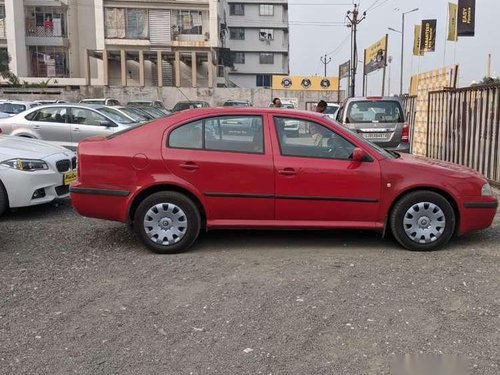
x=187, y=136
x=314, y=140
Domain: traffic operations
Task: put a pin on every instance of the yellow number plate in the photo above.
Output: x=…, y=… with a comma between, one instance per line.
x=69, y=177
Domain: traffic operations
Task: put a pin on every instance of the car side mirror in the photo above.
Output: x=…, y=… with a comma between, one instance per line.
x=358, y=154
x=107, y=124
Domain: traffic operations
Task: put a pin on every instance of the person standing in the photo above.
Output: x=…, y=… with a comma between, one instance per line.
x=321, y=106
x=277, y=103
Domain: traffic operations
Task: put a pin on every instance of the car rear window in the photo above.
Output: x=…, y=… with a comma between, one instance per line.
x=383, y=111
x=12, y=108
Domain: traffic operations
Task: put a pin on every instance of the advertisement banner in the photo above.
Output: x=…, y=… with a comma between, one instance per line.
x=452, y=22
x=312, y=83
x=428, y=36
x=345, y=69
x=376, y=56
x=416, y=41
x=466, y=17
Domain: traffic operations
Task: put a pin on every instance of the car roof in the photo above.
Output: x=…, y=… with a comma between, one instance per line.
x=227, y=111
x=18, y=102
x=373, y=98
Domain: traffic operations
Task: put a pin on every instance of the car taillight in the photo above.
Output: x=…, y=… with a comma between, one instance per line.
x=405, y=136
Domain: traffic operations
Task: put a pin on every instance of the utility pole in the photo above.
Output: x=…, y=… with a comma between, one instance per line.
x=325, y=61
x=354, y=21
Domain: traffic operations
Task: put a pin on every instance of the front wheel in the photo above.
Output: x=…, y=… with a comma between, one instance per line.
x=167, y=222
x=422, y=220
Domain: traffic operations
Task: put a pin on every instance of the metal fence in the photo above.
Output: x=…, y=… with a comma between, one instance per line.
x=410, y=110
x=464, y=128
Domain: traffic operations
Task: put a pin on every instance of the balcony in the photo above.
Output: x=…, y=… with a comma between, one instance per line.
x=46, y=26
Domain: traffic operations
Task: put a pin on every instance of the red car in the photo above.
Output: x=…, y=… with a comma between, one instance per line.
x=237, y=168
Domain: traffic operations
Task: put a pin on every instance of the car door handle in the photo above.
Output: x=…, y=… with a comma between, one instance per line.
x=76, y=129
x=37, y=127
x=287, y=172
x=189, y=166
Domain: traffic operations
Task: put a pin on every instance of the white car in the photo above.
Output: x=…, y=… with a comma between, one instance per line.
x=33, y=172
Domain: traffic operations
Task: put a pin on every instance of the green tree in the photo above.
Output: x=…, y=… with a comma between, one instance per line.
x=4, y=63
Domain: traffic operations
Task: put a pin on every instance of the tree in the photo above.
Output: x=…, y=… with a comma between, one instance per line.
x=4, y=63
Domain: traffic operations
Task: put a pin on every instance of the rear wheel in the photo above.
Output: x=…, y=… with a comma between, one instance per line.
x=167, y=222
x=4, y=200
x=422, y=220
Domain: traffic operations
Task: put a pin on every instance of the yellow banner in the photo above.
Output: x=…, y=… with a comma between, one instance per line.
x=417, y=51
x=452, y=23
x=311, y=83
x=376, y=55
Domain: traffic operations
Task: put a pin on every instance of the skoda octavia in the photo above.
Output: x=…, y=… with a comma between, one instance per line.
x=235, y=167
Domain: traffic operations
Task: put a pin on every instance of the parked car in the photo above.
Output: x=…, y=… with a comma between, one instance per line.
x=33, y=172
x=377, y=119
x=133, y=113
x=177, y=176
x=181, y=106
x=13, y=107
x=65, y=124
x=154, y=112
x=50, y=101
x=237, y=103
x=331, y=109
x=101, y=101
x=146, y=103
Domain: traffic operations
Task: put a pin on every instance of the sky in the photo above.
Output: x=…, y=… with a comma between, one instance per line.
x=317, y=28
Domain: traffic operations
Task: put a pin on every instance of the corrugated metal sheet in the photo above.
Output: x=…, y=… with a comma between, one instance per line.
x=159, y=27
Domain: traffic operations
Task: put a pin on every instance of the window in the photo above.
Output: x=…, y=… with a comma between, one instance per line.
x=45, y=21
x=121, y=23
x=189, y=22
x=266, y=34
x=187, y=136
x=238, y=57
x=266, y=58
x=227, y=133
x=56, y=114
x=48, y=61
x=266, y=10
x=383, y=111
x=263, y=80
x=309, y=139
x=86, y=117
x=236, y=9
x=12, y=108
x=237, y=33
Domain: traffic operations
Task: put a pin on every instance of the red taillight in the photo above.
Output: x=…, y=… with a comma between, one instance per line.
x=405, y=136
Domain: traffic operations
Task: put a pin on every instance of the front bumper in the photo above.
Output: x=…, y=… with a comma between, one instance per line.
x=477, y=213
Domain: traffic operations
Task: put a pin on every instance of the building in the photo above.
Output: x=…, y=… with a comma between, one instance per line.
x=259, y=41
x=113, y=42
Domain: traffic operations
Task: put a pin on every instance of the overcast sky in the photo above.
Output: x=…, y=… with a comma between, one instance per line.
x=316, y=29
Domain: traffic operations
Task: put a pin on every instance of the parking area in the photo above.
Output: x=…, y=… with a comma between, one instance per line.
x=83, y=296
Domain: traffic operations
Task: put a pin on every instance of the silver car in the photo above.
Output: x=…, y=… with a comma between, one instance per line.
x=65, y=124
x=380, y=120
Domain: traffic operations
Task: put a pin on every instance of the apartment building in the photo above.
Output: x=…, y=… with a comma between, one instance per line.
x=113, y=42
x=258, y=39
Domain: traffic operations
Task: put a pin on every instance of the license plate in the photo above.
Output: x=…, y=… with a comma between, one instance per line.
x=69, y=177
x=374, y=136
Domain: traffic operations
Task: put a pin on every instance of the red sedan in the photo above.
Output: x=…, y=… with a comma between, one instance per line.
x=249, y=168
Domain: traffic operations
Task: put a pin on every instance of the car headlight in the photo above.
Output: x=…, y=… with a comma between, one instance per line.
x=486, y=190
x=27, y=165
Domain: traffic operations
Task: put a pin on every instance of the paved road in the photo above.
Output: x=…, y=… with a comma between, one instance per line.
x=83, y=296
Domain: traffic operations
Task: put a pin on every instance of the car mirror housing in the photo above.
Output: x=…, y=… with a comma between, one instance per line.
x=358, y=154
x=107, y=124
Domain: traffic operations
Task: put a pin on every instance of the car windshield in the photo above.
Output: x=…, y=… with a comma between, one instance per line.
x=331, y=109
x=93, y=101
x=116, y=116
x=12, y=108
x=236, y=104
x=383, y=111
x=136, y=116
x=138, y=103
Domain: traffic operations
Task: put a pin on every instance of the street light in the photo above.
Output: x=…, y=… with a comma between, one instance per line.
x=402, y=45
x=392, y=29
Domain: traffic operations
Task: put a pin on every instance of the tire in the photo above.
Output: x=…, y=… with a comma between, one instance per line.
x=167, y=222
x=422, y=221
x=4, y=200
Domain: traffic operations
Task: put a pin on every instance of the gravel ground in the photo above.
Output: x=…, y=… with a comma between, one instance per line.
x=83, y=296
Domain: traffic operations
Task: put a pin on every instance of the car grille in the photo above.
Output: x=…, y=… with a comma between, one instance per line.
x=62, y=190
x=63, y=165
x=73, y=163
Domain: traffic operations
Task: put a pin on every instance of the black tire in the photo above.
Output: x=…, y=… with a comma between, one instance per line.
x=4, y=200
x=187, y=211
x=430, y=221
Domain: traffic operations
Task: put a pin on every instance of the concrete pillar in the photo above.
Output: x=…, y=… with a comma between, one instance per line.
x=123, y=63
x=159, y=66
x=16, y=37
x=177, y=68
x=141, y=68
x=210, y=67
x=105, y=80
x=193, y=69
x=88, y=73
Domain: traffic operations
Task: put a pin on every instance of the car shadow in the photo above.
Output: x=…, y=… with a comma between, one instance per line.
x=40, y=211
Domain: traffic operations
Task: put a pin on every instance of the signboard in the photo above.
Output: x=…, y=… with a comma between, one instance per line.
x=416, y=41
x=466, y=17
x=428, y=36
x=345, y=70
x=452, y=24
x=376, y=56
x=312, y=83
